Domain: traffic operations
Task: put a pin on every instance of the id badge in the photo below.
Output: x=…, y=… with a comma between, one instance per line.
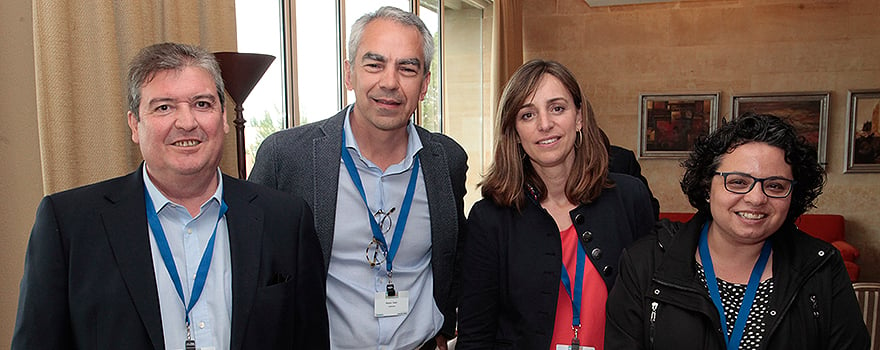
x=386, y=306
x=568, y=347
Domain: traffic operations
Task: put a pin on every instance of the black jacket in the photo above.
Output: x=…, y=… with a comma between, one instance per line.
x=659, y=301
x=513, y=262
x=89, y=282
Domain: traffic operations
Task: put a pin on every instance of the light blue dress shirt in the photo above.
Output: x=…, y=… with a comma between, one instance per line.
x=210, y=320
x=351, y=282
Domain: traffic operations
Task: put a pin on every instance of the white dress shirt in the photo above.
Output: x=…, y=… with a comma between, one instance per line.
x=210, y=319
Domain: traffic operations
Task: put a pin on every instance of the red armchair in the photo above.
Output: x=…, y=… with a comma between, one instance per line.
x=830, y=228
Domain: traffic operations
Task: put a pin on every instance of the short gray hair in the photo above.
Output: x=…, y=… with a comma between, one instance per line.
x=399, y=16
x=169, y=56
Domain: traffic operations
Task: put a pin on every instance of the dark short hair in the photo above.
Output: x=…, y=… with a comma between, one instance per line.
x=169, y=56
x=700, y=166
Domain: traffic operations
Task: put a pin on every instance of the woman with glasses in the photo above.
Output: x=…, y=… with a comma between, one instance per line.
x=544, y=242
x=739, y=275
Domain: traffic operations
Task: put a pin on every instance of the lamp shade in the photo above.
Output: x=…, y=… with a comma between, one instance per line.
x=242, y=71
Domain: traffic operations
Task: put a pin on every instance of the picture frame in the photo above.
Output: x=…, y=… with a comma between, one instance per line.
x=863, y=131
x=669, y=124
x=806, y=111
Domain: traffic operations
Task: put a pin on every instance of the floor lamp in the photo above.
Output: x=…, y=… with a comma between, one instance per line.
x=241, y=72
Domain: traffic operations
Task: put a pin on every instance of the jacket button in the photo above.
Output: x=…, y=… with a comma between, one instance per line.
x=607, y=270
x=579, y=219
x=596, y=253
x=587, y=236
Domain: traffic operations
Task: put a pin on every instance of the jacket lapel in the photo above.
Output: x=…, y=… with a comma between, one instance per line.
x=245, y=225
x=326, y=161
x=437, y=184
x=125, y=222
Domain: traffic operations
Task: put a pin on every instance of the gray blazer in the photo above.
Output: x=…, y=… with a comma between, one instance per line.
x=305, y=161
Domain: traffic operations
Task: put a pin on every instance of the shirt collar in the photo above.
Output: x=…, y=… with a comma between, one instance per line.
x=413, y=143
x=160, y=201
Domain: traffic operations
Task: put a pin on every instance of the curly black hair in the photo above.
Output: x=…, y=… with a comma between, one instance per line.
x=702, y=163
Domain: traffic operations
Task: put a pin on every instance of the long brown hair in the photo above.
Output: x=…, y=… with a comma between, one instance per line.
x=511, y=169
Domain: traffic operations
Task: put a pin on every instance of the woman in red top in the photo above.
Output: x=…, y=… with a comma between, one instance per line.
x=543, y=244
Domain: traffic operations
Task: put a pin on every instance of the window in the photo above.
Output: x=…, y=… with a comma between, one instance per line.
x=265, y=108
x=305, y=83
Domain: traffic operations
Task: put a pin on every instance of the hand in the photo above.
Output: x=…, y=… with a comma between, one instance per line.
x=441, y=342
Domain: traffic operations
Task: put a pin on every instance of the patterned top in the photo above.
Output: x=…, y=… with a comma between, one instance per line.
x=731, y=297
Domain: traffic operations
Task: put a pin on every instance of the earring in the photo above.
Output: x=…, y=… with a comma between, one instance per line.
x=579, y=140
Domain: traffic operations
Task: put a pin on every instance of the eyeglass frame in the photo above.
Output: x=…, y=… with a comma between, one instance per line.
x=379, y=254
x=382, y=217
x=755, y=180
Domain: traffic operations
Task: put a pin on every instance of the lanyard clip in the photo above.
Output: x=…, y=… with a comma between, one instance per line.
x=190, y=344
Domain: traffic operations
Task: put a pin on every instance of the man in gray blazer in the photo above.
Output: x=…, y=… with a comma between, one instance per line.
x=387, y=195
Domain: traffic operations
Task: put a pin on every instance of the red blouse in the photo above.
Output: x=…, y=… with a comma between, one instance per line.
x=595, y=293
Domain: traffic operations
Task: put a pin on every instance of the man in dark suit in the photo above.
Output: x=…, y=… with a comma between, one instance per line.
x=174, y=255
x=374, y=178
x=623, y=161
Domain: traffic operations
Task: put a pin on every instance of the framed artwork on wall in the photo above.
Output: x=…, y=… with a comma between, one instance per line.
x=806, y=111
x=863, y=131
x=669, y=124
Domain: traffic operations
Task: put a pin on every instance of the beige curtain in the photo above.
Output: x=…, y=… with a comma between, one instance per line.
x=81, y=52
x=507, y=43
x=507, y=56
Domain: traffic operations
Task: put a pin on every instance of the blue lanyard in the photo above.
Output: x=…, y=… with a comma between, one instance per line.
x=751, y=290
x=575, y=293
x=168, y=259
x=404, y=210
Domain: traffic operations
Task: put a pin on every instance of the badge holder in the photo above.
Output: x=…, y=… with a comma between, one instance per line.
x=575, y=343
x=391, y=302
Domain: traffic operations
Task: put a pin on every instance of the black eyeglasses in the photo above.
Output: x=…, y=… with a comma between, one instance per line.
x=742, y=183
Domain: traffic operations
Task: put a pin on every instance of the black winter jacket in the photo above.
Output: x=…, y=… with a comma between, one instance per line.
x=659, y=302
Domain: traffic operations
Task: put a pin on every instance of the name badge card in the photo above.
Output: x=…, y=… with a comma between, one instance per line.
x=386, y=306
x=569, y=347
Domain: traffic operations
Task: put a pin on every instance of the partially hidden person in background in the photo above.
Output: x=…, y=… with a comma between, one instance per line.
x=622, y=160
x=176, y=254
x=388, y=196
x=739, y=274
x=544, y=242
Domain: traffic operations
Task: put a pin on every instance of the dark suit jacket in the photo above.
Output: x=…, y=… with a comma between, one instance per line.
x=305, y=161
x=622, y=160
x=513, y=263
x=89, y=281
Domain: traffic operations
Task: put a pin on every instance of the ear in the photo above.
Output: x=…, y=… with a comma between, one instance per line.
x=579, y=123
x=425, y=86
x=346, y=68
x=133, y=125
